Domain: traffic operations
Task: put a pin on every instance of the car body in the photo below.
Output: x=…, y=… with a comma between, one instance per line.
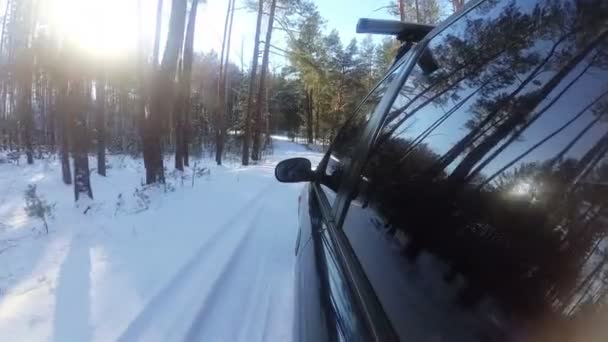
x=464, y=199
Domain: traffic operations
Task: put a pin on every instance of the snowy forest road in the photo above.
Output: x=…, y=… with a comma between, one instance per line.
x=213, y=262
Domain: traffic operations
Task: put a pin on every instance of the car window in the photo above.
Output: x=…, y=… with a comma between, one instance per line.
x=343, y=147
x=482, y=206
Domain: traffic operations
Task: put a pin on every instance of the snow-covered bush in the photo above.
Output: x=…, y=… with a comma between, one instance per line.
x=199, y=172
x=142, y=200
x=120, y=204
x=37, y=207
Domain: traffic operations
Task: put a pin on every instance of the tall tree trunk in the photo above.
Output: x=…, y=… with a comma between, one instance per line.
x=159, y=19
x=4, y=23
x=309, y=115
x=25, y=70
x=317, y=113
x=25, y=105
x=100, y=123
x=63, y=122
x=80, y=140
x=255, y=151
x=225, y=98
x=163, y=94
x=142, y=99
x=402, y=10
x=182, y=111
x=254, y=67
x=221, y=89
x=3, y=90
x=51, y=99
x=178, y=127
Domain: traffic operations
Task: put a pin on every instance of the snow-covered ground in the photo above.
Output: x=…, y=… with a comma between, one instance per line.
x=209, y=262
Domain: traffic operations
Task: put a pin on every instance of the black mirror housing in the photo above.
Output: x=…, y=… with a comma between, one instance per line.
x=294, y=170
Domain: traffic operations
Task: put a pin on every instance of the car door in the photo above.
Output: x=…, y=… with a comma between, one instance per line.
x=478, y=214
x=335, y=302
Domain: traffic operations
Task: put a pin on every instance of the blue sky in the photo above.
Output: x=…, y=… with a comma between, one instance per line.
x=109, y=27
x=339, y=14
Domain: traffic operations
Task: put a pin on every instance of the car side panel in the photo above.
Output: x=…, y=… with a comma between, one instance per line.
x=310, y=309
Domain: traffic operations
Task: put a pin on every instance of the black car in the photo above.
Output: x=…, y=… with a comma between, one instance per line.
x=466, y=199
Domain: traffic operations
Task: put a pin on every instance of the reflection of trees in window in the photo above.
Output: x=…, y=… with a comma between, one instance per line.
x=583, y=35
x=527, y=233
x=519, y=240
x=345, y=144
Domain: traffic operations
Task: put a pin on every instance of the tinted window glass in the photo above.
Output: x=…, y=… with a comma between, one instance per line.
x=484, y=198
x=343, y=148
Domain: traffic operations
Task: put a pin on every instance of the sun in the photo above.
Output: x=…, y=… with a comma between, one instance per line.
x=106, y=28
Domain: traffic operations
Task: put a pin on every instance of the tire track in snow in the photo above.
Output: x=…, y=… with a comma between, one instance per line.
x=247, y=294
x=184, y=292
x=204, y=318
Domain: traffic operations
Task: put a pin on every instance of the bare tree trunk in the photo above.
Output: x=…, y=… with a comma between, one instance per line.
x=51, y=99
x=255, y=151
x=25, y=64
x=4, y=21
x=183, y=105
x=254, y=66
x=269, y=117
x=100, y=123
x=402, y=10
x=221, y=91
x=62, y=118
x=177, y=120
x=143, y=90
x=80, y=139
x=159, y=19
x=163, y=94
x=309, y=116
x=317, y=114
x=225, y=93
x=25, y=108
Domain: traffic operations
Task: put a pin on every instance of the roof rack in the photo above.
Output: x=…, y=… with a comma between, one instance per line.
x=405, y=32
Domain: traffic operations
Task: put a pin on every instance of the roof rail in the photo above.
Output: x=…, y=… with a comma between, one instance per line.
x=405, y=32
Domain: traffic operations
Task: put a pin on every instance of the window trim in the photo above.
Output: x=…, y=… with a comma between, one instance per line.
x=323, y=164
x=365, y=298
x=377, y=121
x=370, y=134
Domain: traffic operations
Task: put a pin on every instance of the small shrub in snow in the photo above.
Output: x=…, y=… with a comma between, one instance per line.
x=37, y=207
x=169, y=187
x=120, y=204
x=199, y=172
x=142, y=200
x=13, y=157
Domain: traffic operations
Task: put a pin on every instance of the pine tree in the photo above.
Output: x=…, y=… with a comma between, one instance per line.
x=182, y=105
x=252, y=78
x=163, y=95
x=255, y=153
x=37, y=207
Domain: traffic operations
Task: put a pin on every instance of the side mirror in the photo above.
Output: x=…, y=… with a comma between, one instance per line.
x=294, y=170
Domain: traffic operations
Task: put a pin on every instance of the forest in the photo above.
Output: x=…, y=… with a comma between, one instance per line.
x=57, y=98
x=537, y=218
